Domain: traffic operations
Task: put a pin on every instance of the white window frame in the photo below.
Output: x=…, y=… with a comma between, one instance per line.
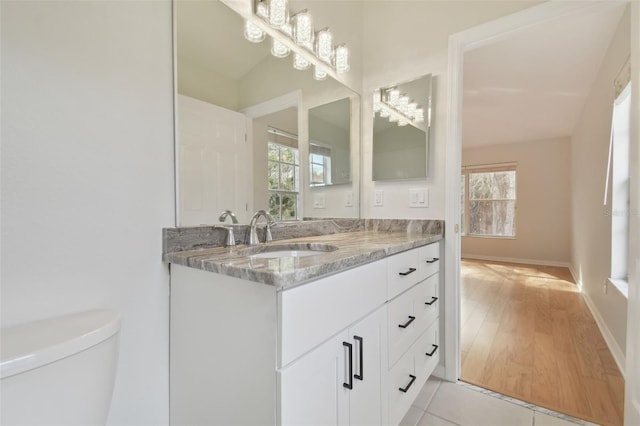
x=296, y=168
x=465, y=217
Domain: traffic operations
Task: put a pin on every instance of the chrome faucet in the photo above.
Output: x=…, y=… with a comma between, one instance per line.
x=229, y=240
x=228, y=213
x=253, y=234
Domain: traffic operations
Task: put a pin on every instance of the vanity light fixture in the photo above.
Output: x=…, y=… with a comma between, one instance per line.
x=396, y=107
x=309, y=48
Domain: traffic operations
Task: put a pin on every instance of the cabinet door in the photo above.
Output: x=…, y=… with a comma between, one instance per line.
x=312, y=388
x=369, y=339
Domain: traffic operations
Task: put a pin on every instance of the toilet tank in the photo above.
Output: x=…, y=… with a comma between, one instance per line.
x=59, y=371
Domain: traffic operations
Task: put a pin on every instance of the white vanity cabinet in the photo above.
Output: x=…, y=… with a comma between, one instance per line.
x=325, y=352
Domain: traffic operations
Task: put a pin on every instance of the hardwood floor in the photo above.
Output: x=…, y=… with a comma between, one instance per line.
x=527, y=333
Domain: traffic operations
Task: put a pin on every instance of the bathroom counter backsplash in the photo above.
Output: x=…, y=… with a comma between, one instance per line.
x=356, y=242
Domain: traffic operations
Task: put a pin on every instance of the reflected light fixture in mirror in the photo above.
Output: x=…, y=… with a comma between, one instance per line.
x=296, y=34
x=397, y=107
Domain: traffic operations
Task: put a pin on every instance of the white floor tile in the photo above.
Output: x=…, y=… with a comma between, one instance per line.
x=467, y=407
x=426, y=394
x=412, y=417
x=431, y=420
x=541, y=419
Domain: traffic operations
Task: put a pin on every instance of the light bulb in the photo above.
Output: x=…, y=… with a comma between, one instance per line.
x=411, y=110
x=319, y=73
x=324, y=45
x=303, y=28
x=393, y=119
x=262, y=10
x=300, y=63
x=393, y=97
x=252, y=32
x=384, y=113
x=342, y=59
x=376, y=101
x=402, y=122
x=278, y=49
x=419, y=118
x=403, y=104
x=278, y=13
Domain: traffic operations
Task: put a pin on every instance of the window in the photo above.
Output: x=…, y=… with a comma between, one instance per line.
x=283, y=181
x=489, y=200
x=619, y=163
x=320, y=164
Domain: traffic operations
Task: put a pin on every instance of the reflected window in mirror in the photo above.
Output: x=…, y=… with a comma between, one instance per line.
x=283, y=164
x=400, y=137
x=320, y=164
x=330, y=143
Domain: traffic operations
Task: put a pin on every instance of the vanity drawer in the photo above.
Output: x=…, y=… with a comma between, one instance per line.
x=311, y=313
x=407, y=319
x=427, y=306
x=429, y=259
x=404, y=386
x=404, y=271
x=427, y=351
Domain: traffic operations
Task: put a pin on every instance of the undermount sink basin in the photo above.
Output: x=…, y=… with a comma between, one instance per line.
x=287, y=250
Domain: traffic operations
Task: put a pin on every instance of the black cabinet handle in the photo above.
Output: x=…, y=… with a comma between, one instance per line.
x=360, y=340
x=433, y=351
x=406, y=324
x=406, y=388
x=433, y=300
x=433, y=260
x=404, y=274
x=349, y=384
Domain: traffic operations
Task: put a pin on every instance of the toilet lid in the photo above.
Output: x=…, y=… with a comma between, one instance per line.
x=28, y=346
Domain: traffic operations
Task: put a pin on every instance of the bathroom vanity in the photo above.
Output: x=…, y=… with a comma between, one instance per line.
x=346, y=336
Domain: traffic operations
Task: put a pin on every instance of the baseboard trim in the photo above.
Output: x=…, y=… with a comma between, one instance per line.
x=615, y=349
x=517, y=260
x=439, y=372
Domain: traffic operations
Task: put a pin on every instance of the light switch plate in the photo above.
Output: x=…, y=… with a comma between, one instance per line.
x=349, y=199
x=419, y=197
x=318, y=201
x=378, y=198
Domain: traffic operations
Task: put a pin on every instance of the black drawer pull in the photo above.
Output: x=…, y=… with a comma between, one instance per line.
x=404, y=274
x=349, y=384
x=433, y=300
x=406, y=324
x=433, y=351
x=433, y=260
x=406, y=388
x=361, y=357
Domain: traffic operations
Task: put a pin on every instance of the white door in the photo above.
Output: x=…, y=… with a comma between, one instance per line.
x=365, y=399
x=213, y=173
x=312, y=389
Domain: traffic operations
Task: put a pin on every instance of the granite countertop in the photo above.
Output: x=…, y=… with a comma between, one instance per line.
x=350, y=249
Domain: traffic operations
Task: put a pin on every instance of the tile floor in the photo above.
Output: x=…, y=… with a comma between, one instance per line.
x=444, y=403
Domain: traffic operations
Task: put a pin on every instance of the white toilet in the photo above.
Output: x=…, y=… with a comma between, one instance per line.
x=59, y=371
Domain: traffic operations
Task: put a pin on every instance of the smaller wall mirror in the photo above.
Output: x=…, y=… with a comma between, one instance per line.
x=330, y=144
x=401, y=130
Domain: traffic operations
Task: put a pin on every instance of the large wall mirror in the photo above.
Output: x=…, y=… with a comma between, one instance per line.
x=246, y=126
x=400, y=137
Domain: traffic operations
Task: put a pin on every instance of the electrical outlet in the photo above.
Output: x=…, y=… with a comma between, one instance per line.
x=378, y=199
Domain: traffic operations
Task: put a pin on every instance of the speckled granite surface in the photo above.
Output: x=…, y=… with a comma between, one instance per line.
x=195, y=247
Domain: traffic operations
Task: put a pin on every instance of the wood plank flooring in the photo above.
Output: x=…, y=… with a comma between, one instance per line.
x=527, y=333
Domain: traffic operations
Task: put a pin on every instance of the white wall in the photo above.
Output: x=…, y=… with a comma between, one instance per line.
x=591, y=248
x=206, y=85
x=543, y=206
x=87, y=177
x=414, y=42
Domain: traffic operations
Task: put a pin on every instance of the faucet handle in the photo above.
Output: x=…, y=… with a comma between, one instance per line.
x=230, y=239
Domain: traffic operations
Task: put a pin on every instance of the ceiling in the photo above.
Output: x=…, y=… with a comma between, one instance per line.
x=533, y=84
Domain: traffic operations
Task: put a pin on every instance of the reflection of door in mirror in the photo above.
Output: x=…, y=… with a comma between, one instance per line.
x=276, y=185
x=212, y=173
x=329, y=143
x=400, y=140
